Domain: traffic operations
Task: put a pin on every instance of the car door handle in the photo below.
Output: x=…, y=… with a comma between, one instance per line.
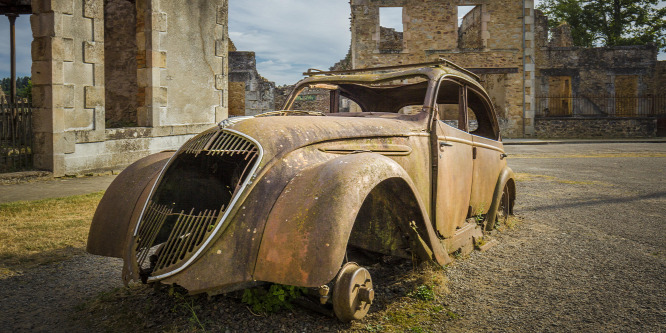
x=445, y=144
x=503, y=156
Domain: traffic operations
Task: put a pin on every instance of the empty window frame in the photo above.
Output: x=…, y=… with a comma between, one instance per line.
x=390, y=30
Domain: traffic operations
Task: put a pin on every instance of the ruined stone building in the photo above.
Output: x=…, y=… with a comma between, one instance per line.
x=532, y=74
x=495, y=39
x=579, y=88
x=115, y=80
x=249, y=92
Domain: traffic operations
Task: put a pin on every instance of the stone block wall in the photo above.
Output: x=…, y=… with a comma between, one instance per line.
x=257, y=94
x=68, y=78
x=168, y=75
x=430, y=31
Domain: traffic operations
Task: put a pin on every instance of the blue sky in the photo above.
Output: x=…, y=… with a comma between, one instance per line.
x=288, y=36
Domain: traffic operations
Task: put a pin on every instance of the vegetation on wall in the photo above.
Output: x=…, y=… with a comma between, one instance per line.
x=610, y=23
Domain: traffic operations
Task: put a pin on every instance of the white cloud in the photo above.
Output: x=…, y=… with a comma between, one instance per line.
x=293, y=35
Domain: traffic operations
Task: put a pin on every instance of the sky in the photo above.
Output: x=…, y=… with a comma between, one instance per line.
x=287, y=36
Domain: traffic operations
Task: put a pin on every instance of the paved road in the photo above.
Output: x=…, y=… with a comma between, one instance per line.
x=589, y=254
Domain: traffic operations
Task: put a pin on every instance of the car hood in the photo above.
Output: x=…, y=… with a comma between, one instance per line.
x=281, y=134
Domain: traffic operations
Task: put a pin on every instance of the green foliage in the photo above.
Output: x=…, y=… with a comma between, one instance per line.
x=610, y=22
x=423, y=292
x=23, y=87
x=277, y=297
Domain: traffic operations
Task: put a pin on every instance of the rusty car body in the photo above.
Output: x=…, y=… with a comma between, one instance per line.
x=280, y=197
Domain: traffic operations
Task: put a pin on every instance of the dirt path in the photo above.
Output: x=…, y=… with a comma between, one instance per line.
x=589, y=255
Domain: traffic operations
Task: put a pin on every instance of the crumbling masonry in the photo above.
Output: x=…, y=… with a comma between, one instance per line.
x=495, y=39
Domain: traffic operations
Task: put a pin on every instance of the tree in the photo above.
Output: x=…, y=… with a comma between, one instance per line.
x=610, y=22
x=23, y=87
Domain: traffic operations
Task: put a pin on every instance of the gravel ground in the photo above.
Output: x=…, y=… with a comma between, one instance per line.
x=588, y=255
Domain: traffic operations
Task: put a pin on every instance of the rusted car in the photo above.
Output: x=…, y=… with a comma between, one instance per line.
x=416, y=169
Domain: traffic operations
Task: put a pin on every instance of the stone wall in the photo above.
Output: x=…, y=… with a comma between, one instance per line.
x=430, y=31
x=120, y=67
x=167, y=74
x=595, y=128
x=258, y=94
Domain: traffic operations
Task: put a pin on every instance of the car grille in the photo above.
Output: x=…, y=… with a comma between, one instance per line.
x=195, y=191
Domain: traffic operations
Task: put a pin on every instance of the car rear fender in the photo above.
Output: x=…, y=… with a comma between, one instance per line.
x=506, y=177
x=121, y=203
x=308, y=228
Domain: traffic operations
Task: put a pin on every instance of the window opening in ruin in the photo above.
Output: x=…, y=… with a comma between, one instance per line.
x=120, y=63
x=390, y=30
x=560, y=101
x=470, y=27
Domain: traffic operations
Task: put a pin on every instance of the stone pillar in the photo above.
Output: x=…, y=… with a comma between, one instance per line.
x=68, y=78
x=151, y=62
x=221, y=68
x=529, y=69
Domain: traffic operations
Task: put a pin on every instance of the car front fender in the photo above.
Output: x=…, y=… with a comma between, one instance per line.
x=308, y=228
x=120, y=204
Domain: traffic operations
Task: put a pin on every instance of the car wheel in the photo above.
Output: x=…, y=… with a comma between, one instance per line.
x=503, y=209
x=352, y=292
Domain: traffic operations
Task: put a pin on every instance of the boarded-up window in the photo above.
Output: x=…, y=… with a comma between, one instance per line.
x=560, y=101
x=626, y=91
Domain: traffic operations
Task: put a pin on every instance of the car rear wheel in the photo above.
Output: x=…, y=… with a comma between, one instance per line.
x=352, y=293
x=503, y=209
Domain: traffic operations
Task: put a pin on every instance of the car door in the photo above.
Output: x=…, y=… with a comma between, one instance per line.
x=488, y=152
x=454, y=165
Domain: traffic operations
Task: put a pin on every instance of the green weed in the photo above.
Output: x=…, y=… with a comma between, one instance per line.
x=276, y=298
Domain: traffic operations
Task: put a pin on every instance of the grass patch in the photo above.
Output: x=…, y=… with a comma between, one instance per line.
x=44, y=231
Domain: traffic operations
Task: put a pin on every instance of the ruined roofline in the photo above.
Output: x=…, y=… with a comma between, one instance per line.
x=441, y=62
